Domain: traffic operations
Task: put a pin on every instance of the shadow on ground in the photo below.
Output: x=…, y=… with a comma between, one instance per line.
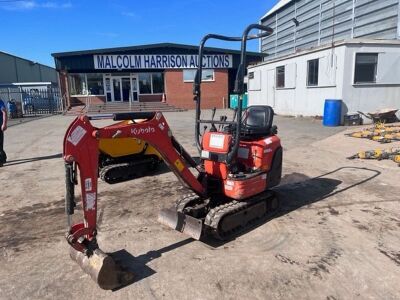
x=32, y=159
x=297, y=191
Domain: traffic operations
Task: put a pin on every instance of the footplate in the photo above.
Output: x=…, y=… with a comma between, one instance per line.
x=181, y=222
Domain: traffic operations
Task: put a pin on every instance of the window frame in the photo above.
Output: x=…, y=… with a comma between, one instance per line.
x=194, y=75
x=308, y=72
x=276, y=77
x=151, y=83
x=87, y=87
x=375, y=71
x=87, y=84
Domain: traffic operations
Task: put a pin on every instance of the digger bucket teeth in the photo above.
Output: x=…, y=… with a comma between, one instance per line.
x=181, y=222
x=103, y=269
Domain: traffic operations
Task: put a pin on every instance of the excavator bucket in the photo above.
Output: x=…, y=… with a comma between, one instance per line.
x=103, y=269
x=181, y=222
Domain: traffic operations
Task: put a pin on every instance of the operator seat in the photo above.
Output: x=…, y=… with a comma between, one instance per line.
x=257, y=122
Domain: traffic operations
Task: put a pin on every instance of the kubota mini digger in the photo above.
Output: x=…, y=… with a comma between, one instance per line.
x=230, y=186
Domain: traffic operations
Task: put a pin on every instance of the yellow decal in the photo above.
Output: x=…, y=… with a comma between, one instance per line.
x=179, y=165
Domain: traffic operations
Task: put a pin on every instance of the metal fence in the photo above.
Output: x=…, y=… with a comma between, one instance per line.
x=29, y=102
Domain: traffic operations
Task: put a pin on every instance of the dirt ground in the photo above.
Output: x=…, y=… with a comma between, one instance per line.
x=337, y=235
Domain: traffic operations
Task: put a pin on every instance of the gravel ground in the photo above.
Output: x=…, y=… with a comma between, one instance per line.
x=336, y=236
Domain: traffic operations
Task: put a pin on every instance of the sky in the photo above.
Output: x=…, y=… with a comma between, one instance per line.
x=34, y=29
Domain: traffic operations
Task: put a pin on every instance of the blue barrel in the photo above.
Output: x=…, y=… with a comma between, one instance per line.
x=332, y=112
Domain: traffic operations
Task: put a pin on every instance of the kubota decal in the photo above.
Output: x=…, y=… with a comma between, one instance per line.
x=137, y=131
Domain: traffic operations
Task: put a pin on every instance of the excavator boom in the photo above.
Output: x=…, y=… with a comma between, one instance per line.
x=81, y=150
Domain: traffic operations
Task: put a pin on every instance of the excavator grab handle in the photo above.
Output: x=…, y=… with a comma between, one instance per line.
x=133, y=116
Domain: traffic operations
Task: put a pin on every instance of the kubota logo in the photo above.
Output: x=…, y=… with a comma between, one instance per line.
x=136, y=131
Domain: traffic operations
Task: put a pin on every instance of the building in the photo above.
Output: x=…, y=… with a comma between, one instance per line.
x=148, y=73
x=329, y=49
x=20, y=72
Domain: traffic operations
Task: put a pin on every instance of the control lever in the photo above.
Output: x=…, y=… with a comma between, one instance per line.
x=234, y=114
x=222, y=119
x=213, y=128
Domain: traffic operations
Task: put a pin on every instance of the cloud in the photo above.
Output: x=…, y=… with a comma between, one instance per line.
x=130, y=14
x=30, y=5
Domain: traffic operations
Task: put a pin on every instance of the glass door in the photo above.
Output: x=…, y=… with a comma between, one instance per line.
x=116, y=85
x=126, y=89
x=135, y=94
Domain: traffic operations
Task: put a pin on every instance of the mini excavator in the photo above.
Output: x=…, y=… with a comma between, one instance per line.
x=230, y=187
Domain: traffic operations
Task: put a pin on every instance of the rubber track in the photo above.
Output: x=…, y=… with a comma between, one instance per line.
x=127, y=166
x=217, y=214
x=186, y=199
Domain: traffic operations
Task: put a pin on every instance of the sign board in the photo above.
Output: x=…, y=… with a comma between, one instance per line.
x=160, y=61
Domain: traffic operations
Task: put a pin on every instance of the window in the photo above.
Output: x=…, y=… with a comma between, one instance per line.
x=95, y=84
x=312, y=72
x=77, y=84
x=151, y=83
x=145, y=83
x=158, y=83
x=206, y=74
x=280, y=77
x=366, y=66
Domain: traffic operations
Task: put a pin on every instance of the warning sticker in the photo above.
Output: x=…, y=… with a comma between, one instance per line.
x=76, y=135
x=90, y=201
x=228, y=187
x=88, y=184
x=179, y=165
x=217, y=141
x=268, y=141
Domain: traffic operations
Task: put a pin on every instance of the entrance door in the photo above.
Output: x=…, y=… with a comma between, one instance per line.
x=126, y=89
x=135, y=95
x=116, y=84
x=271, y=88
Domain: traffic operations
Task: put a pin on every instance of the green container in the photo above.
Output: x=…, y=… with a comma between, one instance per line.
x=234, y=101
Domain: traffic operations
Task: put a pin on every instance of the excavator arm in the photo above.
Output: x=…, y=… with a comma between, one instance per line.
x=81, y=151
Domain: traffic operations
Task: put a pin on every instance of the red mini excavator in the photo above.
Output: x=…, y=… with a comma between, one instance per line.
x=240, y=160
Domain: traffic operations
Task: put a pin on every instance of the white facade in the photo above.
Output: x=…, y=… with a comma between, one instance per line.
x=335, y=79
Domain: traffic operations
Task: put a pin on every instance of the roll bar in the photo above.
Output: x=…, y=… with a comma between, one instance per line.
x=239, y=81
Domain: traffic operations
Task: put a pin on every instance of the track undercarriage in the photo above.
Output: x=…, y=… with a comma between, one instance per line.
x=222, y=218
x=127, y=168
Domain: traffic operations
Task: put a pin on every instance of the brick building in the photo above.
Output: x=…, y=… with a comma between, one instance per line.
x=148, y=73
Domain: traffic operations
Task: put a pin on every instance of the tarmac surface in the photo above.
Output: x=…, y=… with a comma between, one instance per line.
x=336, y=236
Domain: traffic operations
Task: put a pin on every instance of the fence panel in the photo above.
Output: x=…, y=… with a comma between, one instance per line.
x=31, y=102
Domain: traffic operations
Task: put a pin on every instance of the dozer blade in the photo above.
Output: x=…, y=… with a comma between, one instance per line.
x=179, y=221
x=103, y=269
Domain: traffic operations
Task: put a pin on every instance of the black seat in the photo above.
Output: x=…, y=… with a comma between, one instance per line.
x=257, y=122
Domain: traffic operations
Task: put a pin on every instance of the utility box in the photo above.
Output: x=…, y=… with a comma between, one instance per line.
x=234, y=101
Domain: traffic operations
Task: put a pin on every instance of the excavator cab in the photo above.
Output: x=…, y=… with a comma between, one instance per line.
x=229, y=189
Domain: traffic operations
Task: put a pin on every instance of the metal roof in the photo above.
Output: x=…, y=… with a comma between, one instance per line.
x=349, y=42
x=25, y=59
x=150, y=46
x=277, y=7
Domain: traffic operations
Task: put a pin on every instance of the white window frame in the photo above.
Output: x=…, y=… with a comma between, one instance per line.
x=308, y=74
x=276, y=77
x=207, y=80
x=354, y=70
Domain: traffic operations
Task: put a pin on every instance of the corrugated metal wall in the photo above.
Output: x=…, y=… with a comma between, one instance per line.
x=15, y=69
x=324, y=21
